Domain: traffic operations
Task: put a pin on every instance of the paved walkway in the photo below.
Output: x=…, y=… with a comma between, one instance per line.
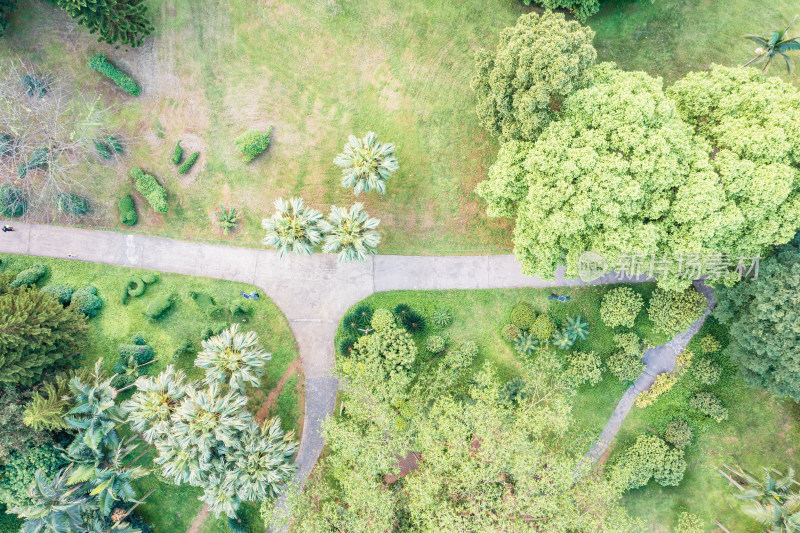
x=657, y=360
x=313, y=291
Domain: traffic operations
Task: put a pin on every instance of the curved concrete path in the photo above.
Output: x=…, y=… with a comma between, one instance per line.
x=314, y=292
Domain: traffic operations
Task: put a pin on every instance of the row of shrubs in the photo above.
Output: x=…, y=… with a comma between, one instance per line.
x=671, y=312
x=84, y=300
x=177, y=157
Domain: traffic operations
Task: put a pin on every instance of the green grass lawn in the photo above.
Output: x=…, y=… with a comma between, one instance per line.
x=761, y=431
x=320, y=70
x=172, y=508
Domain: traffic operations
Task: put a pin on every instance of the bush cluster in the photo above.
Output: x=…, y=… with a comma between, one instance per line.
x=127, y=211
x=62, y=293
x=12, y=201
x=663, y=383
x=620, y=306
x=101, y=64
x=158, y=306
x=149, y=187
x=648, y=458
x=678, y=433
x=86, y=301
x=252, y=142
x=72, y=204
x=187, y=165
x=522, y=315
x=626, y=364
x=29, y=276
x=672, y=312
x=710, y=405
x=141, y=354
x=382, y=319
x=584, y=367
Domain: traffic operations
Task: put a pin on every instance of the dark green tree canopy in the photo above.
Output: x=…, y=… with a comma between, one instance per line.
x=763, y=317
x=115, y=21
x=36, y=333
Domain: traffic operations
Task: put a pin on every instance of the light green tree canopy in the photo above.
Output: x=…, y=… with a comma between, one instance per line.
x=537, y=64
x=622, y=172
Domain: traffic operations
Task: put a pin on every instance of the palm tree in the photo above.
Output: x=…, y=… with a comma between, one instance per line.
x=577, y=328
x=56, y=506
x=366, y=164
x=772, y=502
x=220, y=497
x=293, y=227
x=351, y=234
x=149, y=410
x=263, y=461
x=778, y=43
x=210, y=421
x=233, y=357
x=95, y=414
x=181, y=464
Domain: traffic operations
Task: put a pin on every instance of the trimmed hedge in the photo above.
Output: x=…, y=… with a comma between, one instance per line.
x=135, y=285
x=86, y=301
x=187, y=165
x=29, y=276
x=12, y=201
x=150, y=277
x=127, y=211
x=101, y=64
x=158, y=306
x=252, y=142
x=177, y=154
x=141, y=353
x=72, y=204
x=522, y=315
x=150, y=189
x=62, y=293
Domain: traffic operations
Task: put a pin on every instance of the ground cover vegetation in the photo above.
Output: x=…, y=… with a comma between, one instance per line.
x=96, y=395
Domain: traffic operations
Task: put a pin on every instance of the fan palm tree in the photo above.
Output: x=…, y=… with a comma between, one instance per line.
x=778, y=43
x=563, y=340
x=181, y=464
x=772, y=502
x=577, y=328
x=209, y=420
x=95, y=414
x=233, y=357
x=351, y=234
x=526, y=343
x=56, y=507
x=366, y=164
x=263, y=461
x=149, y=410
x=220, y=497
x=293, y=227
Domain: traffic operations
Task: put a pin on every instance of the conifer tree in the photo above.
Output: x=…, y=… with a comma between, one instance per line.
x=115, y=21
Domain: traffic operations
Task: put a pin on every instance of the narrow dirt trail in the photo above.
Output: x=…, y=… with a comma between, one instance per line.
x=272, y=397
x=198, y=521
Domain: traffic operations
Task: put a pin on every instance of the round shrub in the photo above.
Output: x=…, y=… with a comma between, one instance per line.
x=120, y=367
x=648, y=458
x=86, y=301
x=251, y=143
x=140, y=353
x=522, y=315
x=392, y=348
x=435, y=344
x=620, y=306
x=13, y=202
x=29, y=276
x=625, y=367
x=683, y=362
x=584, y=367
x=62, y=293
x=678, y=433
x=689, y=523
x=442, y=317
x=382, y=319
x=710, y=405
x=673, y=312
x=136, y=286
x=510, y=332
x=127, y=211
x=543, y=328
x=707, y=372
x=710, y=344
x=158, y=306
x=138, y=338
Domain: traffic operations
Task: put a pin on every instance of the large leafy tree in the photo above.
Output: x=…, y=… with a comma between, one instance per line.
x=468, y=464
x=350, y=233
x=366, y=164
x=115, y=21
x=234, y=358
x=762, y=316
x=537, y=64
x=622, y=172
x=293, y=227
x=36, y=333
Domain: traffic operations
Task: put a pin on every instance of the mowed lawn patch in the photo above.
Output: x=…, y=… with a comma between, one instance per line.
x=173, y=508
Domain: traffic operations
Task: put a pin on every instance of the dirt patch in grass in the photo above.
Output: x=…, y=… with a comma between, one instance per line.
x=269, y=403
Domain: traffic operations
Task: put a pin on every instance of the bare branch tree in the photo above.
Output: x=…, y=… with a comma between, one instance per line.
x=53, y=140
